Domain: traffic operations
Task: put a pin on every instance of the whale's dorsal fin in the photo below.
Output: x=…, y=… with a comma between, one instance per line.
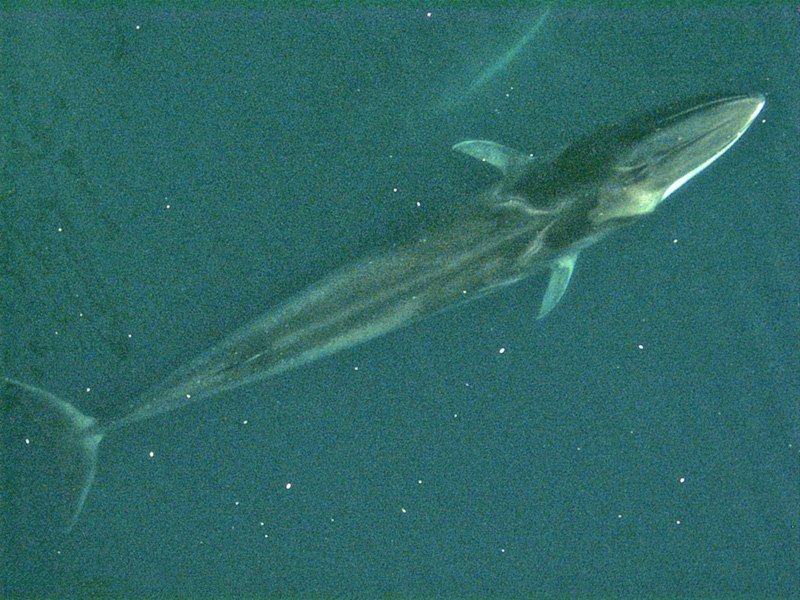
x=509, y=161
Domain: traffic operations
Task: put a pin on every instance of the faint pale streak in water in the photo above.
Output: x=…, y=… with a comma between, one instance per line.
x=458, y=98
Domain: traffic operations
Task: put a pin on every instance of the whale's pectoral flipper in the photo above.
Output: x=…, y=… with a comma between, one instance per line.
x=559, y=280
x=510, y=162
x=71, y=435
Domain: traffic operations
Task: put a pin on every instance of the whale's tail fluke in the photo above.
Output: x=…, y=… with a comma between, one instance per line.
x=39, y=419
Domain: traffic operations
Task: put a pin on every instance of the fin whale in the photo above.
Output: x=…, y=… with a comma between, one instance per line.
x=536, y=217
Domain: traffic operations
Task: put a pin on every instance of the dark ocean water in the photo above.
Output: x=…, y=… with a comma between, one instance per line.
x=167, y=176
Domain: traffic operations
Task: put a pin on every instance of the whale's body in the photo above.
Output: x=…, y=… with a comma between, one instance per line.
x=537, y=217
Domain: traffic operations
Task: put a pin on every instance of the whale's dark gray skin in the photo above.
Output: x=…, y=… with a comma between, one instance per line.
x=536, y=217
